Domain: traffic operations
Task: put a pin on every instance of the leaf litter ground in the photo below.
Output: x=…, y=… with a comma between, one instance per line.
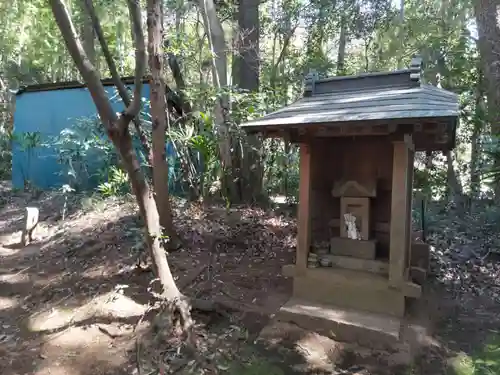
x=74, y=302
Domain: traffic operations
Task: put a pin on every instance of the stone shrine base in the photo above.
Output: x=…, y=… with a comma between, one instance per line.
x=351, y=289
x=366, y=329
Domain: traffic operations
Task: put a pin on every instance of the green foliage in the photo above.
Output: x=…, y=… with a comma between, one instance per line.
x=491, y=161
x=84, y=153
x=28, y=142
x=196, y=153
x=5, y=152
x=295, y=36
x=484, y=361
x=117, y=184
x=282, y=171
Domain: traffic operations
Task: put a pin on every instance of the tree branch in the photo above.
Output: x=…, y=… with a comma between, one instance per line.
x=140, y=57
x=175, y=68
x=281, y=56
x=122, y=89
x=84, y=65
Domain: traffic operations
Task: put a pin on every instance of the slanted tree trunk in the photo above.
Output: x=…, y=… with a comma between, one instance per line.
x=117, y=127
x=87, y=33
x=159, y=119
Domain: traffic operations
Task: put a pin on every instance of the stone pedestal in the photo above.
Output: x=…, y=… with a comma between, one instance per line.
x=353, y=248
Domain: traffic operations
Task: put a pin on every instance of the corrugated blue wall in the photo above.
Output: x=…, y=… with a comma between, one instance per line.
x=50, y=112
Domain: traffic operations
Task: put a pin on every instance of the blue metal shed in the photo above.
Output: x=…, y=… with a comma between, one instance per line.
x=48, y=109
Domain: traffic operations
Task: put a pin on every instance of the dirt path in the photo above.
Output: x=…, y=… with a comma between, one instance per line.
x=56, y=307
x=69, y=302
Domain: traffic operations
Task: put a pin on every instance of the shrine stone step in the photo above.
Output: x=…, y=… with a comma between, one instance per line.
x=353, y=248
x=348, y=325
x=358, y=264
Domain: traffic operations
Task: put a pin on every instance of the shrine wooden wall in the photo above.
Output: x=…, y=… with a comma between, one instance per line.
x=362, y=159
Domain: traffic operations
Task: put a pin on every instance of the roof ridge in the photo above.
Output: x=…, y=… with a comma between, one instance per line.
x=411, y=77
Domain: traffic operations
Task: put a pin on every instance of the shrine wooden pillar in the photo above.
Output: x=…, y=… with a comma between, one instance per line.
x=304, y=214
x=400, y=227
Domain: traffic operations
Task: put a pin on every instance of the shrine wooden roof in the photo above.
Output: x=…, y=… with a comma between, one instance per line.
x=368, y=104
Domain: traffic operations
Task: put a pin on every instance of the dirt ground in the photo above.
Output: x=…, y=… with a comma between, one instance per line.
x=73, y=302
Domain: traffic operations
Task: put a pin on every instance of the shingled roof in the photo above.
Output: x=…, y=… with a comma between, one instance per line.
x=369, y=100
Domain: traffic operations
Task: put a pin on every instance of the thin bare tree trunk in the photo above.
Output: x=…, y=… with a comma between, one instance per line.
x=159, y=120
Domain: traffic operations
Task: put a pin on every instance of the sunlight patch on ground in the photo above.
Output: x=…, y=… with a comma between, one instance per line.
x=14, y=278
x=74, y=338
x=110, y=305
x=8, y=303
x=277, y=221
x=278, y=199
x=56, y=369
x=96, y=272
x=52, y=319
x=85, y=350
x=319, y=351
x=7, y=251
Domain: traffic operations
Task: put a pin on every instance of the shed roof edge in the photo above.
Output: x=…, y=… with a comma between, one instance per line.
x=73, y=85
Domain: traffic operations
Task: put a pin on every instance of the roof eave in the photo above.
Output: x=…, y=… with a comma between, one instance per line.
x=255, y=125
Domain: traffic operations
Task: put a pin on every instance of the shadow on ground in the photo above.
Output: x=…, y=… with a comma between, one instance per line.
x=69, y=302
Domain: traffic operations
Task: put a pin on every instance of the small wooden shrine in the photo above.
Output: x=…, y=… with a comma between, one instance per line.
x=358, y=136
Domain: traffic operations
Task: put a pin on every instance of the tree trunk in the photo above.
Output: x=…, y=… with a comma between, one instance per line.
x=487, y=18
x=248, y=41
x=217, y=44
x=476, y=132
x=117, y=129
x=247, y=63
x=342, y=46
x=149, y=211
x=120, y=86
x=87, y=32
x=454, y=185
x=159, y=120
x=455, y=191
